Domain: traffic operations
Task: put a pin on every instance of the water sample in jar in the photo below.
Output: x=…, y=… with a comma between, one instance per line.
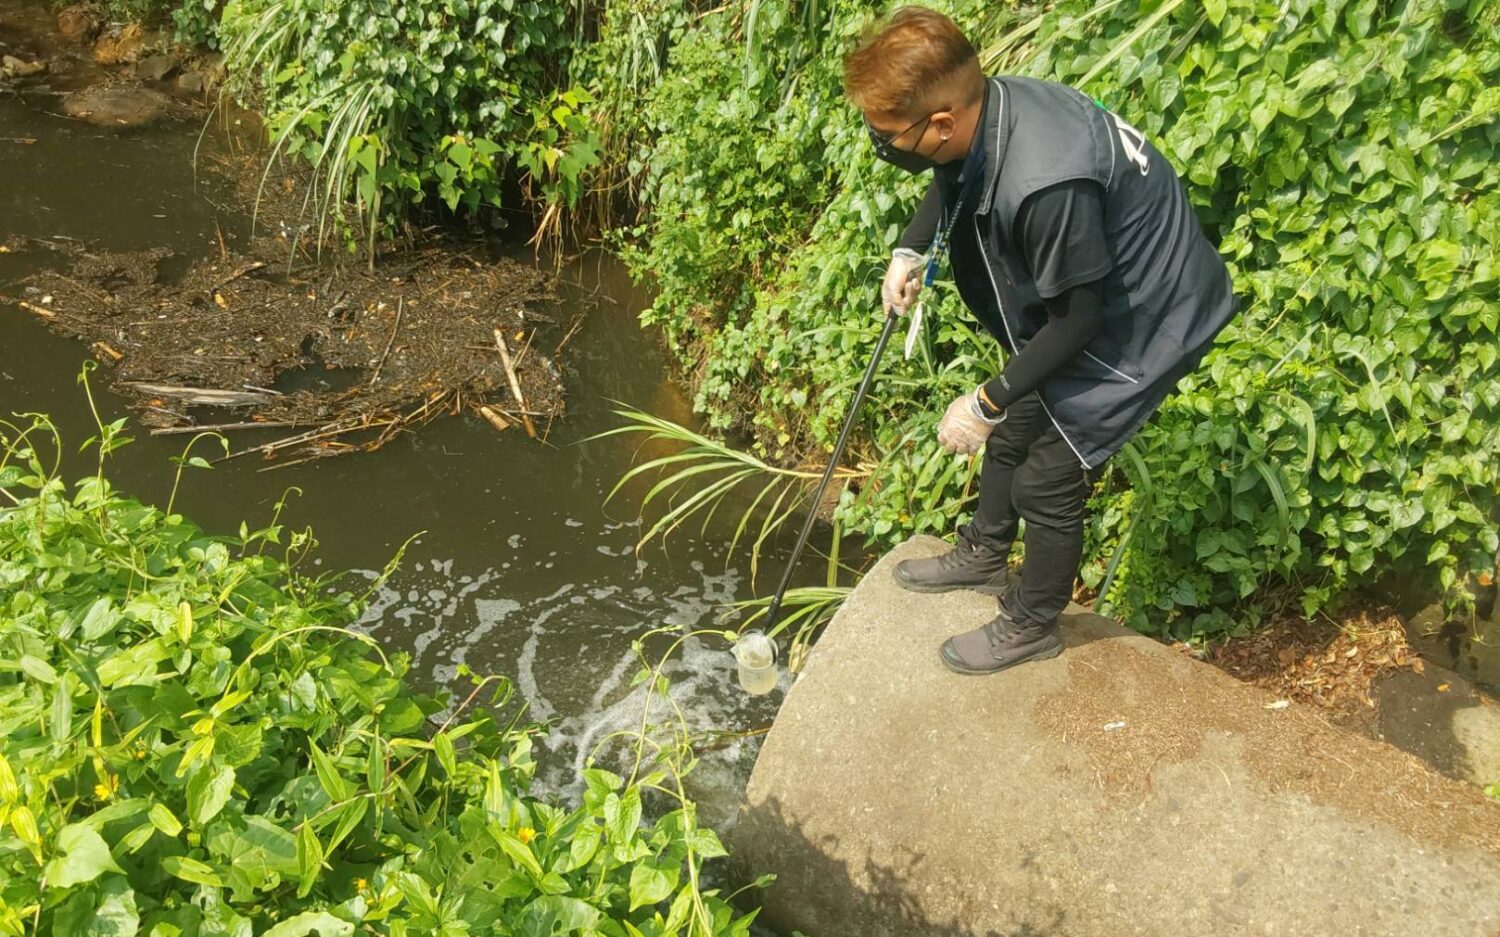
x=756, y=656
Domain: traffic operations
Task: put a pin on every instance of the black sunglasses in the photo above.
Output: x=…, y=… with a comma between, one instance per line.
x=883, y=145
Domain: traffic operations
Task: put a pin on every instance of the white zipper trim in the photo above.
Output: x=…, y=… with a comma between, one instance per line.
x=1000, y=305
x=1111, y=367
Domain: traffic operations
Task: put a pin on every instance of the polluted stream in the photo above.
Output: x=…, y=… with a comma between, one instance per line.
x=520, y=569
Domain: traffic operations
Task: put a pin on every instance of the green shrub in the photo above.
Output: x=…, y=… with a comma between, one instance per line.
x=396, y=104
x=1340, y=153
x=196, y=743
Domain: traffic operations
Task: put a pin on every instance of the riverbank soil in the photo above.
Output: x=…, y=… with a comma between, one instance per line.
x=1328, y=664
x=264, y=334
x=76, y=62
x=1367, y=673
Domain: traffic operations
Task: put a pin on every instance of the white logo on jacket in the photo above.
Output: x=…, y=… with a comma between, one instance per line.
x=1132, y=141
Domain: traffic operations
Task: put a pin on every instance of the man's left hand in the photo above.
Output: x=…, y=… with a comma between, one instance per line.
x=962, y=429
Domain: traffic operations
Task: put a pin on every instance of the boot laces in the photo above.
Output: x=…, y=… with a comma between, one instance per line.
x=962, y=555
x=1006, y=629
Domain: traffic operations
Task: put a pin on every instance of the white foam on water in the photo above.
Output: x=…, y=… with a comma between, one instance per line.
x=491, y=612
x=569, y=656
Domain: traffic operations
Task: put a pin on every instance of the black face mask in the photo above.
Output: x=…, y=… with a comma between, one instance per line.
x=887, y=151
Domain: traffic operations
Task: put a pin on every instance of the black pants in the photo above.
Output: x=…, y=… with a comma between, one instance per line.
x=1031, y=472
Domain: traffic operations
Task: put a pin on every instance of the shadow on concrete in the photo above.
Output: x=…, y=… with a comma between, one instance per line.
x=824, y=896
x=1419, y=713
x=1080, y=627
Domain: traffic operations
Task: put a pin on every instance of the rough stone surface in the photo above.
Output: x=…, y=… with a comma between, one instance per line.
x=116, y=106
x=1120, y=789
x=79, y=22
x=190, y=82
x=156, y=67
x=1441, y=718
x=13, y=67
x=116, y=48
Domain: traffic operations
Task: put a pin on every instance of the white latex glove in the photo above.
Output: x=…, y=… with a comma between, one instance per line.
x=962, y=429
x=903, y=281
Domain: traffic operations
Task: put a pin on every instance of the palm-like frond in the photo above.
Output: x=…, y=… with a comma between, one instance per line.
x=803, y=612
x=701, y=475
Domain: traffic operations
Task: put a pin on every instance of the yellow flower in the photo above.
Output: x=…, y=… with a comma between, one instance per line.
x=105, y=790
x=526, y=834
x=360, y=885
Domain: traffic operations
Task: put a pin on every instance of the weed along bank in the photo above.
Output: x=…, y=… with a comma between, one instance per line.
x=475, y=467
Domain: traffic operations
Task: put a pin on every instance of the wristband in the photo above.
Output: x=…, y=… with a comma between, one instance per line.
x=982, y=411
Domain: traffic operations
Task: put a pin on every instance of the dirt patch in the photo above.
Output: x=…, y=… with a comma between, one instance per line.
x=337, y=359
x=1161, y=714
x=1331, y=665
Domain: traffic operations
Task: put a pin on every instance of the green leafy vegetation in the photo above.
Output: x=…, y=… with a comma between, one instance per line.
x=395, y=105
x=198, y=741
x=1339, y=153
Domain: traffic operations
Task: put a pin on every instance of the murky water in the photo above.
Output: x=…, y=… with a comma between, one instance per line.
x=521, y=569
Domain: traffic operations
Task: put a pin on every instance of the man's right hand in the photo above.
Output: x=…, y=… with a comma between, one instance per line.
x=903, y=281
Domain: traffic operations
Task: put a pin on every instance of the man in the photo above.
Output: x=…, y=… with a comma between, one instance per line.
x=1072, y=241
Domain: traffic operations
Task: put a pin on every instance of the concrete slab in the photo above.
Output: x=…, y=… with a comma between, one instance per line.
x=1122, y=788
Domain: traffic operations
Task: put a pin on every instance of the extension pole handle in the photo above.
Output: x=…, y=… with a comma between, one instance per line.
x=833, y=462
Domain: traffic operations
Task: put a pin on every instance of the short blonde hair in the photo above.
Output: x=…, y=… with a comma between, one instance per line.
x=902, y=62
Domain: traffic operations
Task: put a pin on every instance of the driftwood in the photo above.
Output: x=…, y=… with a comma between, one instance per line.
x=325, y=436
x=217, y=427
x=400, y=308
x=173, y=351
x=493, y=417
x=515, y=385
x=203, y=396
x=247, y=268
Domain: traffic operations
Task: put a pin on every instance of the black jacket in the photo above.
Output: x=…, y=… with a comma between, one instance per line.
x=1167, y=296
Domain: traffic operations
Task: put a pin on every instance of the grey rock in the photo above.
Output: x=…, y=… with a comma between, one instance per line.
x=1122, y=788
x=190, y=83
x=117, y=106
x=156, y=67
x=13, y=67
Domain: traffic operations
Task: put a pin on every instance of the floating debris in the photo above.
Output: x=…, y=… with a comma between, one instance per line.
x=346, y=358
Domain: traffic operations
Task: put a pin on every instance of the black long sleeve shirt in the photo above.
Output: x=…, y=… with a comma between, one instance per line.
x=1061, y=234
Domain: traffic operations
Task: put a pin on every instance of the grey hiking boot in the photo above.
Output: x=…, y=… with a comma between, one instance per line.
x=1002, y=642
x=966, y=566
